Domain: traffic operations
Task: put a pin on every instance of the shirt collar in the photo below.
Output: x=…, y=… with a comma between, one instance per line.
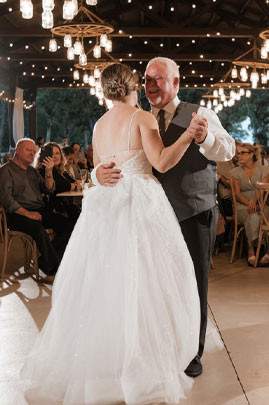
x=170, y=108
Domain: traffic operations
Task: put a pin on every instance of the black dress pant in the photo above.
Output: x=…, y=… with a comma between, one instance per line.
x=199, y=233
x=51, y=251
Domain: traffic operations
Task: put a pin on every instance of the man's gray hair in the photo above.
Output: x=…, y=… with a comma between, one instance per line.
x=23, y=140
x=171, y=65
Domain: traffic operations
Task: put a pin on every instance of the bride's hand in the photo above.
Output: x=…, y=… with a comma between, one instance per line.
x=108, y=174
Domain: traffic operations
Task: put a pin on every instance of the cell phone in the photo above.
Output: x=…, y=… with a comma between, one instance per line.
x=46, y=151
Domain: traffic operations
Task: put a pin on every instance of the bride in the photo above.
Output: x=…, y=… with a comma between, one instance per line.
x=124, y=322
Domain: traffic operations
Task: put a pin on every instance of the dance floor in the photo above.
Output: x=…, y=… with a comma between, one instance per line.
x=239, y=303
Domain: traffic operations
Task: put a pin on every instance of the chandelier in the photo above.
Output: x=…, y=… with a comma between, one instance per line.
x=253, y=69
x=70, y=10
x=74, y=34
x=225, y=95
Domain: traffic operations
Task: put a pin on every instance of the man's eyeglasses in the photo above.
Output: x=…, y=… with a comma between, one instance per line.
x=244, y=152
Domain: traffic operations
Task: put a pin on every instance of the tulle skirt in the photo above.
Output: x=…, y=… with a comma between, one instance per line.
x=125, y=316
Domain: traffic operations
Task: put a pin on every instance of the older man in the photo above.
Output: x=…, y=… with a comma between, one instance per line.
x=191, y=185
x=22, y=191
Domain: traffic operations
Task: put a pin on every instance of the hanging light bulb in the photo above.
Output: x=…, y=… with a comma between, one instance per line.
x=209, y=104
x=264, y=53
x=53, y=45
x=27, y=9
x=221, y=91
x=76, y=75
x=243, y=74
x=225, y=104
x=97, y=73
x=248, y=93
x=48, y=4
x=92, y=91
x=97, y=51
x=254, y=76
x=266, y=44
x=223, y=97
x=242, y=92
x=202, y=102
x=47, y=19
x=234, y=73
x=215, y=93
x=215, y=102
x=67, y=41
x=101, y=101
x=78, y=48
x=83, y=59
x=91, y=81
x=232, y=94
x=231, y=102
x=220, y=107
x=91, y=2
x=263, y=78
x=237, y=96
x=85, y=78
x=103, y=40
x=108, y=47
x=70, y=53
x=68, y=10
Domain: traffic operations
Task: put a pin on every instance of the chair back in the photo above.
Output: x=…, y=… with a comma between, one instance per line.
x=234, y=203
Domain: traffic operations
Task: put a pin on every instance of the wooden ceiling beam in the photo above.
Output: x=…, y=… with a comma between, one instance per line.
x=220, y=57
x=147, y=32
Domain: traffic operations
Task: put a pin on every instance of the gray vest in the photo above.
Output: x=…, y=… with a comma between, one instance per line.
x=191, y=185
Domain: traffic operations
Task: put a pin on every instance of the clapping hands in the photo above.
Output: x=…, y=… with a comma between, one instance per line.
x=198, y=128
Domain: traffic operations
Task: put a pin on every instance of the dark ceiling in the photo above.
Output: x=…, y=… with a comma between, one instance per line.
x=203, y=36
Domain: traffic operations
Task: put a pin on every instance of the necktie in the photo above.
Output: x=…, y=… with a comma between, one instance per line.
x=161, y=120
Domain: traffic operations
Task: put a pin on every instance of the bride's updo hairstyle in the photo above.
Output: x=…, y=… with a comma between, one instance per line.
x=118, y=81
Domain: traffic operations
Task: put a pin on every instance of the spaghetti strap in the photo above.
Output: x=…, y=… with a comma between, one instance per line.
x=129, y=129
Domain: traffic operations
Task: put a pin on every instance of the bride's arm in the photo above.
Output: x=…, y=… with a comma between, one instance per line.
x=162, y=158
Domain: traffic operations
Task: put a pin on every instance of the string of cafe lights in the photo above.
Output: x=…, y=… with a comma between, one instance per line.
x=6, y=99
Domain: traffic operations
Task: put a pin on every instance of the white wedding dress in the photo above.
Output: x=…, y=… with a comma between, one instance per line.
x=125, y=315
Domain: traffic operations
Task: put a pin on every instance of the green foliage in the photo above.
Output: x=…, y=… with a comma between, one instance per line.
x=69, y=113
x=256, y=108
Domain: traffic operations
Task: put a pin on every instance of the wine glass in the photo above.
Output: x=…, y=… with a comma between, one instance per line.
x=84, y=177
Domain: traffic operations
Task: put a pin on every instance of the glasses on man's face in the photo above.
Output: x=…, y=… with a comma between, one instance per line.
x=243, y=152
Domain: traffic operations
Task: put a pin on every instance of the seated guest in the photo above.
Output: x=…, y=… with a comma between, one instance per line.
x=245, y=177
x=79, y=156
x=21, y=195
x=72, y=169
x=62, y=181
x=224, y=189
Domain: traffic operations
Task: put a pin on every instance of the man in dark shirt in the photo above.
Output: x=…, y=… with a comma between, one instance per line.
x=22, y=189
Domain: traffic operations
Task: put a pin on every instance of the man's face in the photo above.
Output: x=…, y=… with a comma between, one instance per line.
x=160, y=86
x=26, y=152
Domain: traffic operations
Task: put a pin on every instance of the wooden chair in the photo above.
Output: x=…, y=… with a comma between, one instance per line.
x=263, y=193
x=238, y=229
x=7, y=237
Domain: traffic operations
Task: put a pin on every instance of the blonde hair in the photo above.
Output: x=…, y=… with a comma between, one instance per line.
x=118, y=81
x=251, y=148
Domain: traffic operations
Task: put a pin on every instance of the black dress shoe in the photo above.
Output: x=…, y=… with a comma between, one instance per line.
x=195, y=367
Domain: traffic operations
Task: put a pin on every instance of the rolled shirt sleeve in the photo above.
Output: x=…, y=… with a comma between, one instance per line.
x=218, y=145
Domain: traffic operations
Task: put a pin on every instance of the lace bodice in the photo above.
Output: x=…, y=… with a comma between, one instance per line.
x=132, y=162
